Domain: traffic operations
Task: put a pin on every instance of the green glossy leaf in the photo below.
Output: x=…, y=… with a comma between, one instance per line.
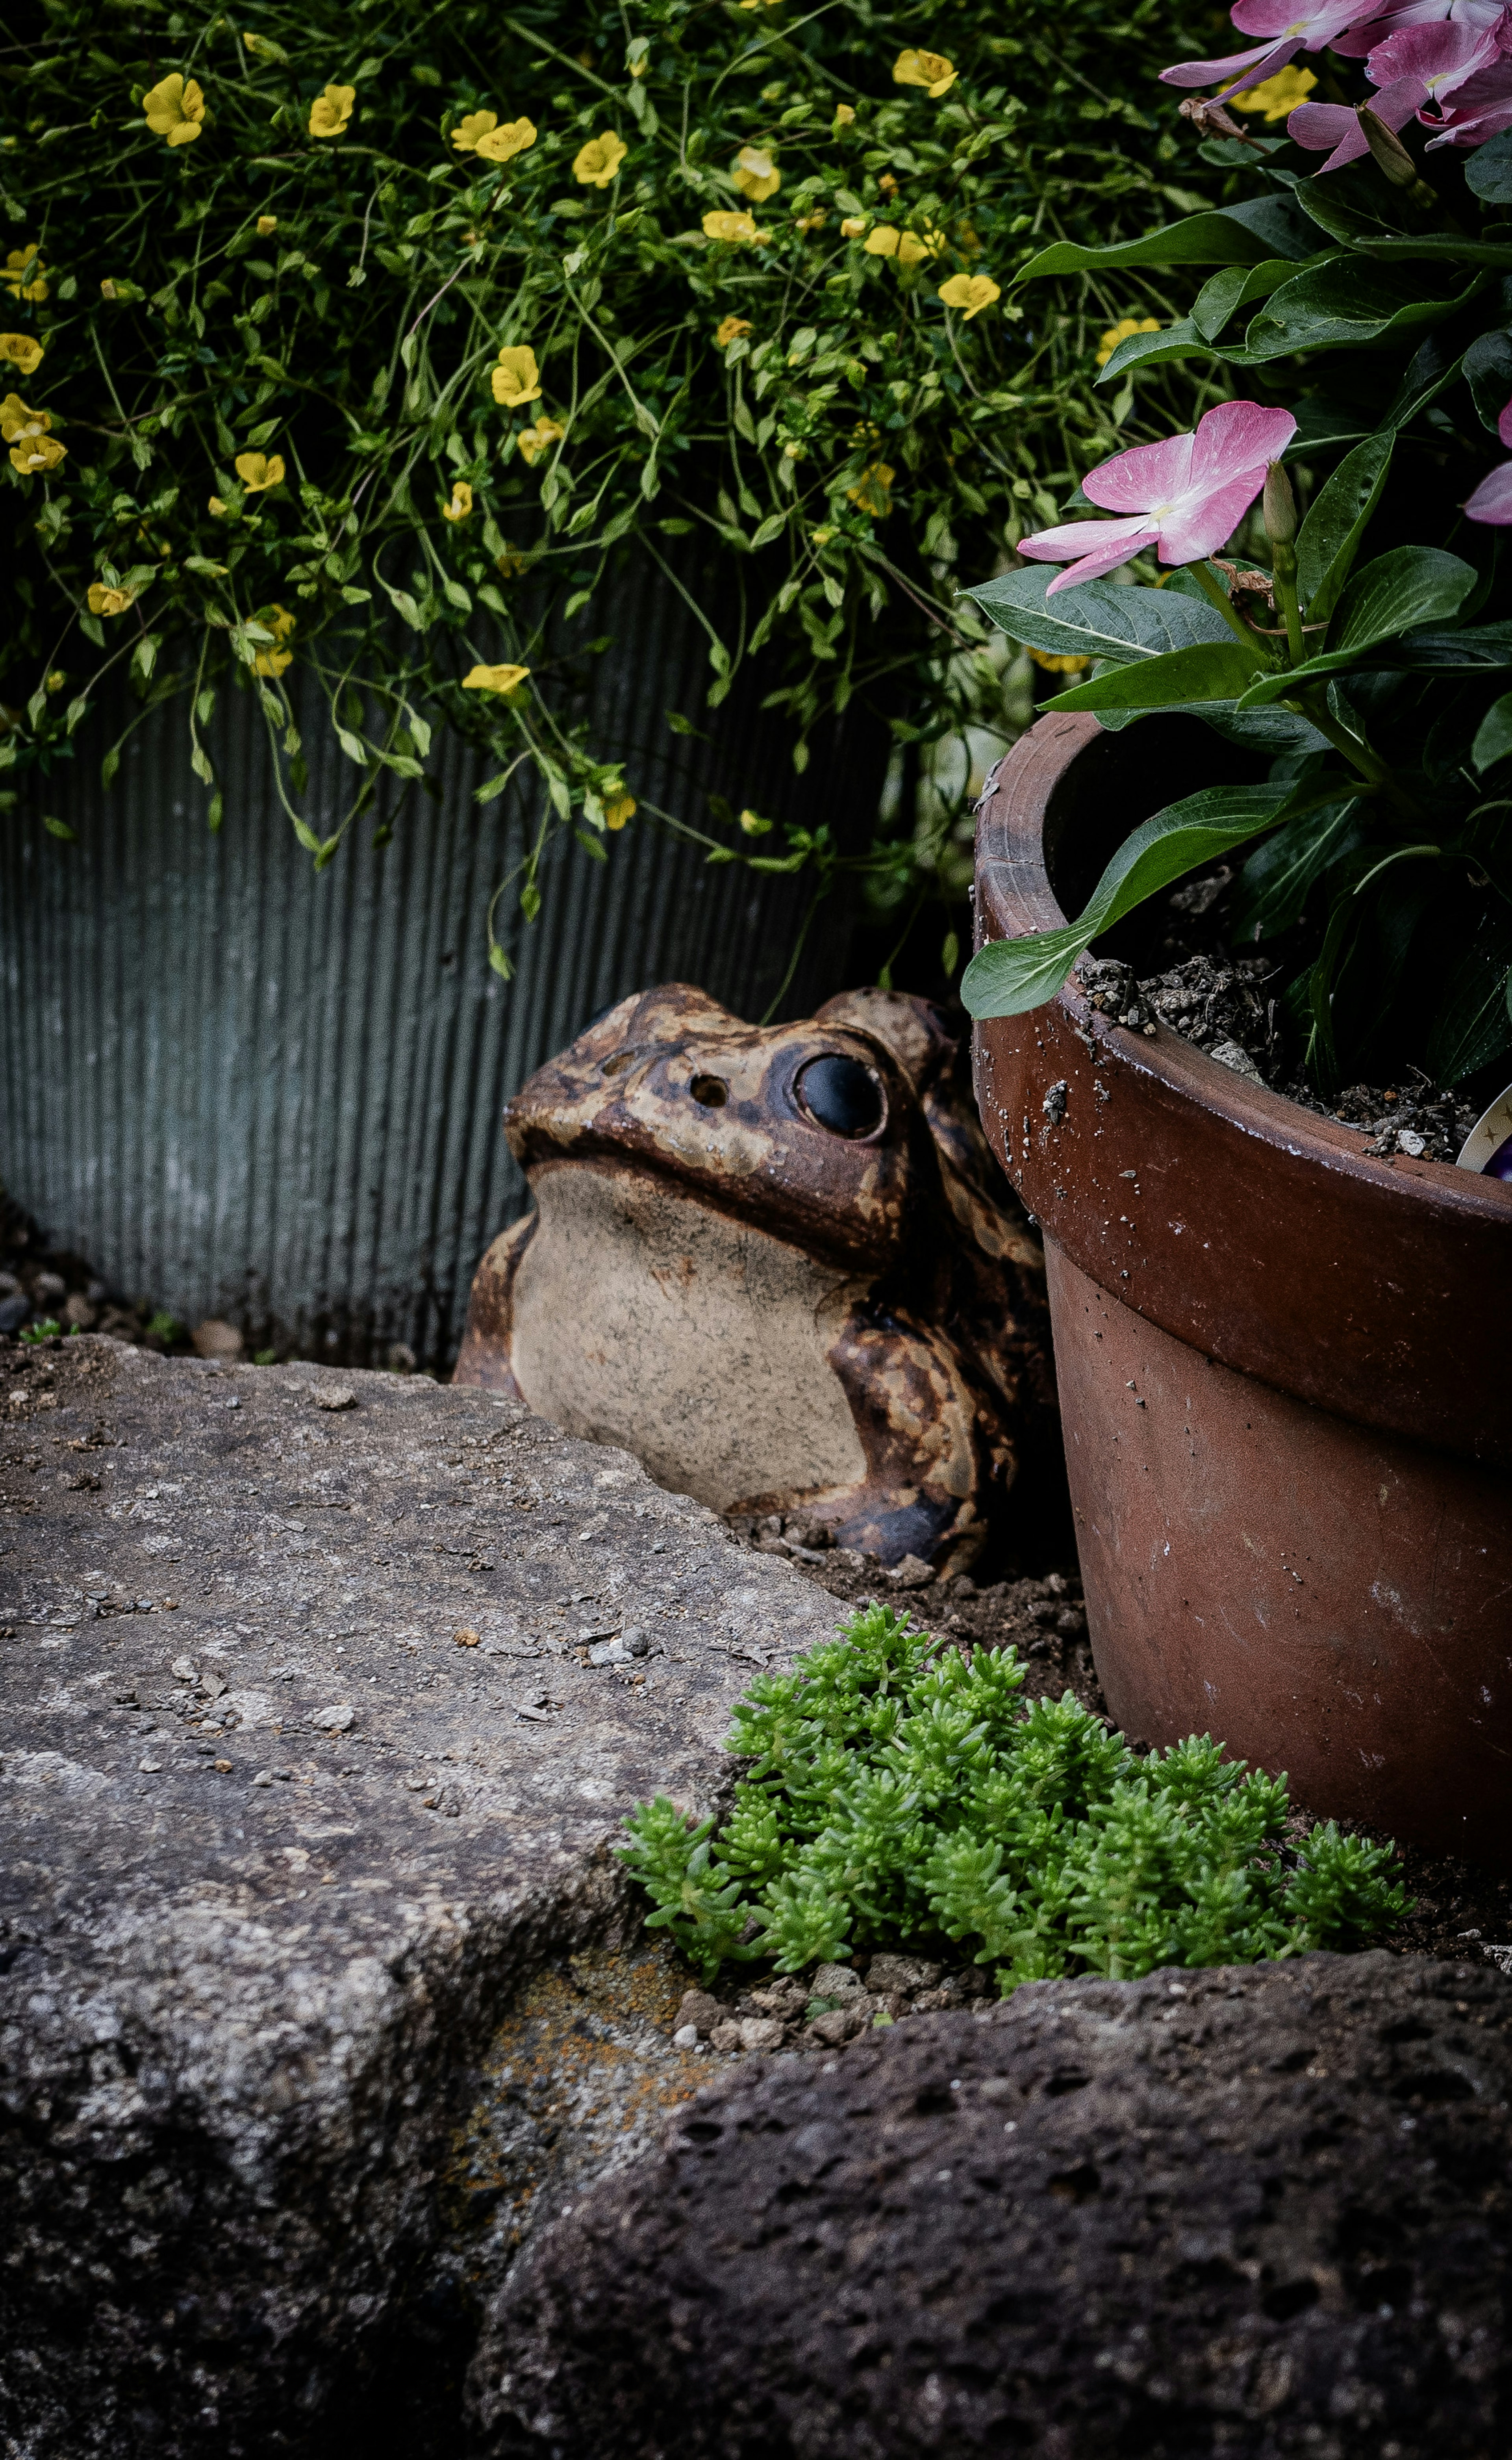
x=1330, y=537
x=1240, y=237
x=1234, y=287
x=1473, y=1026
x=1488, y=372
x=1494, y=735
x=1433, y=370
x=1470, y=652
x=1097, y=618
x=1178, y=341
x=1412, y=586
x=1208, y=670
x=1009, y=977
x=1488, y=172
x=1279, y=877
x=1344, y=305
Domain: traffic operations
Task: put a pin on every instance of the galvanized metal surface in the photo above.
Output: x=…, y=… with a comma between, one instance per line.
x=247, y=1091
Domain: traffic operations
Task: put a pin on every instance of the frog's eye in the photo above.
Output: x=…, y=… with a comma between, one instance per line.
x=840, y=1095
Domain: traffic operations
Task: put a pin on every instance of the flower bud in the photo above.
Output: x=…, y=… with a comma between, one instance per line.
x=1387, y=150
x=1278, y=506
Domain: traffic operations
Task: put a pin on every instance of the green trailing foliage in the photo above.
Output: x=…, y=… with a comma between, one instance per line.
x=263, y=265
x=896, y=1793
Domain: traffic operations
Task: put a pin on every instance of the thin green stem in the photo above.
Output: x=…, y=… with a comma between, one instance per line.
x=1212, y=587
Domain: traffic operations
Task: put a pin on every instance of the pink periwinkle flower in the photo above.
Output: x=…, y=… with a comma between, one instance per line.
x=1492, y=500
x=1356, y=41
x=1414, y=65
x=1185, y=496
x=1285, y=29
x=1480, y=107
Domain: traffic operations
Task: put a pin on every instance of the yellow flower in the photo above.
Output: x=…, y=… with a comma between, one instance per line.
x=752, y=824
x=20, y=351
x=728, y=329
x=810, y=221
x=502, y=144
x=510, y=561
x=18, y=264
x=756, y=175
x=905, y=245
x=539, y=438
x=1121, y=331
x=175, y=110
x=461, y=505
x=266, y=225
x=516, y=379
x=621, y=809
x=844, y=115
x=278, y=621
x=739, y=229
x=928, y=68
x=331, y=111
x=218, y=508
x=103, y=601
x=56, y=680
x=853, y=226
x=467, y=132
x=494, y=679
x=970, y=292
x=598, y=162
x=18, y=424
x=1279, y=94
x=872, y=490
x=1056, y=666
x=258, y=470
x=37, y=453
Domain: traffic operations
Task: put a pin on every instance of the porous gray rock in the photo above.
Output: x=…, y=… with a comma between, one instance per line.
x=305, y=1780
x=1254, y=2212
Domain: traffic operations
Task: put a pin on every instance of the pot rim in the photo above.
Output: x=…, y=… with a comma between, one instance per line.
x=1015, y=898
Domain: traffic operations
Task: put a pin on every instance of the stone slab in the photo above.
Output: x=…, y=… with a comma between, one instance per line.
x=279, y=1853
x=1262, y=2211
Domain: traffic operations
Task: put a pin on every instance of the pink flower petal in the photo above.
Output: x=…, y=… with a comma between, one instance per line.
x=1317, y=125
x=1492, y=500
x=1479, y=109
x=1073, y=538
x=1440, y=58
x=1203, y=524
x=1106, y=558
x=1357, y=40
x=1269, y=56
x=1237, y=437
x=1146, y=475
x=1316, y=27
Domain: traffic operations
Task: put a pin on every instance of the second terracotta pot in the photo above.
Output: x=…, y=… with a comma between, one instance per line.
x=1285, y=1366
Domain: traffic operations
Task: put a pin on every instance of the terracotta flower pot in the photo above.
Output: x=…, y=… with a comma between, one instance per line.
x=1285, y=1369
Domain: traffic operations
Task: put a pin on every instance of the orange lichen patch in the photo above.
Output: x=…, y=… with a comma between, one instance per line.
x=581, y=2070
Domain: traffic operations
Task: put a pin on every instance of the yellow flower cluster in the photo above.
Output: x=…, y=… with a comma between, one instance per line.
x=278, y=621
x=494, y=679
x=461, y=504
x=970, y=292
x=928, y=68
x=516, y=378
x=756, y=175
x=20, y=351
x=598, y=162
x=1121, y=331
x=23, y=274
x=872, y=492
x=26, y=430
x=331, y=111
x=621, y=809
x=1055, y=664
x=105, y=600
x=174, y=109
x=259, y=471
x=905, y=245
x=737, y=231
x=539, y=439
x=1279, y=95
x=729, y=330
x=481, y=134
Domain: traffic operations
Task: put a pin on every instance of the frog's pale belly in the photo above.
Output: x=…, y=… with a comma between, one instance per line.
x=704, y=1344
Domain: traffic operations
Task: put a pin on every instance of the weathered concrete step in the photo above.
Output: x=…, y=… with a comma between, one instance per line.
x=279, y=1855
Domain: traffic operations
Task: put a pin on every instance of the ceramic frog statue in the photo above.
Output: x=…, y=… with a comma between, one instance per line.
x=777, y=1264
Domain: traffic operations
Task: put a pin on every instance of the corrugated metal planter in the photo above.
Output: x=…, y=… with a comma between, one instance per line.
x=250, y=1092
